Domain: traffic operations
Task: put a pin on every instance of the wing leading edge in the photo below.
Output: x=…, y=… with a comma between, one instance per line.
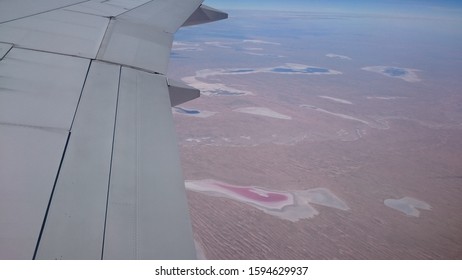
x=89, y=164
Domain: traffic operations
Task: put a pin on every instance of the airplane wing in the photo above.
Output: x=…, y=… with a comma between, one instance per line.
x=89, y=164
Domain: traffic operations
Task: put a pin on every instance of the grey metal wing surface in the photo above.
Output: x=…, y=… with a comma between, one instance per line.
x=89, y=163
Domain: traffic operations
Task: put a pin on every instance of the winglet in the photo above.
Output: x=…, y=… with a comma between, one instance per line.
x=181, y=93
x=205, y=14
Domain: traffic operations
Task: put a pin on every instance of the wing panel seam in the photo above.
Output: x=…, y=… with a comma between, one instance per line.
x=134, y=8
x=51, y=52
x=6, y=53
x=104, y=38
x=44, y=12
x=47, y=128
x=51, y=197
x=110, y=166
x=60, y=166
x=80, y=96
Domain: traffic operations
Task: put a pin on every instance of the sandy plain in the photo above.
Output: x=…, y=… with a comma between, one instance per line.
x=397, y=140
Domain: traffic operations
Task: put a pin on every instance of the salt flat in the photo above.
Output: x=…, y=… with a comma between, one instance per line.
x=261, y=111
x=408, y=205
x=292, y=206
x=406, y=74
x=339, y=100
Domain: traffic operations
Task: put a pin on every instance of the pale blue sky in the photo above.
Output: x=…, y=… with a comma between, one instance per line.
x=437, y=8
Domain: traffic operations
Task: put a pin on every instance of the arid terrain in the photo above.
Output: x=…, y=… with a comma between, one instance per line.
x=322, y=136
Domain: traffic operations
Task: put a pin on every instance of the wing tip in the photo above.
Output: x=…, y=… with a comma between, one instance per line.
x=205, y=14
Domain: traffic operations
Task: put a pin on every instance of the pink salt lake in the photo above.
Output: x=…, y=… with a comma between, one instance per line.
x=291, y=206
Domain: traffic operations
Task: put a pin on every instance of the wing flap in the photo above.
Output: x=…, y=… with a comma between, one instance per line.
x=147, y=208
x=29, y=161
x=74, y=226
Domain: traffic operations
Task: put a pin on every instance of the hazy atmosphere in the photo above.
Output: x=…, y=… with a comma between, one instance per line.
x=325, y=130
